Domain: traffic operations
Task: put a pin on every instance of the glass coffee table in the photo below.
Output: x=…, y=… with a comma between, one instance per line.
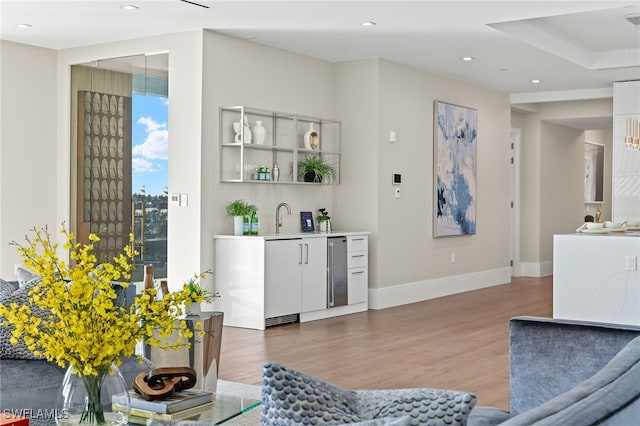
x=224, y=409
x=227, y=407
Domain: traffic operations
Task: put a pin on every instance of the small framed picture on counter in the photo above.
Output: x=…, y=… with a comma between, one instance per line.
x=306, y=221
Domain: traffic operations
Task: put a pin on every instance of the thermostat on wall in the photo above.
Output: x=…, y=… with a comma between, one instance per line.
x=397, y=179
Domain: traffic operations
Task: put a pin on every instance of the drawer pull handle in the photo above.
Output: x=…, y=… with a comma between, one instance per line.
x=359, y=272
x=358, y=255
x=358, y=239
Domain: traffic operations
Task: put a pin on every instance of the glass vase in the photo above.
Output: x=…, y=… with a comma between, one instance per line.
x=86, y=400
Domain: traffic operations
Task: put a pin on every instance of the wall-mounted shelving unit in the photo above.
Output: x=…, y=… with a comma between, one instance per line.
x=284, y=145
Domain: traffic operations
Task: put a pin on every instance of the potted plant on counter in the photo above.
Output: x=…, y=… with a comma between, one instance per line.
x=241, y=212
x=324, y=220
x=315, y=168
x=196, y=294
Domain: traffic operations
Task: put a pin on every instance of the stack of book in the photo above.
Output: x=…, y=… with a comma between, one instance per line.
x=186, y=404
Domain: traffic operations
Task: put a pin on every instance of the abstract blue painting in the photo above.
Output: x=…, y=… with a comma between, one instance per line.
x=455, y=140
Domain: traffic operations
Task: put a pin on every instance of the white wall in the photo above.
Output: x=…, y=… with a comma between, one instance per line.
x=28, y=166
x=407, y=97
x=562, y=184
x=356, y=101
x=406, y=263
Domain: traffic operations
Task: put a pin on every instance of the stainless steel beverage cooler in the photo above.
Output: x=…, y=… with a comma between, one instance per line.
x=336, y=271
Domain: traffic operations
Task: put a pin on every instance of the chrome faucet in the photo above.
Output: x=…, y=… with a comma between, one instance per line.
x=278, y=219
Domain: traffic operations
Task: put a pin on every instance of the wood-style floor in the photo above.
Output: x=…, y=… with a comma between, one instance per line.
x=456, y=342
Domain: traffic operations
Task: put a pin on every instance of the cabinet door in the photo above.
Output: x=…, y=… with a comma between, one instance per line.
x=283, y=272
x=314, y=274
x=357, y=282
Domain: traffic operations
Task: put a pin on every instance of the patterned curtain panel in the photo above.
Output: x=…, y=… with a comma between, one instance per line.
x=104, y=170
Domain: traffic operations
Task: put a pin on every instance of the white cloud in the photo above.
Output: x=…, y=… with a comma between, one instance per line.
x=140, y=165
x=156, y=144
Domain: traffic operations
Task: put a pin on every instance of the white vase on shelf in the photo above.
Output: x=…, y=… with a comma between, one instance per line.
x=259, y=132
x=239, y=134
x=311, y=138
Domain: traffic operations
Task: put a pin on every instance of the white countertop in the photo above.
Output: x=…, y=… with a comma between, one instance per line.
x=606, y=234
x=295, y=235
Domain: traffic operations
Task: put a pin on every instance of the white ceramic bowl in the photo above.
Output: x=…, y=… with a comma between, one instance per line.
x=612, y=225
x=594, y=226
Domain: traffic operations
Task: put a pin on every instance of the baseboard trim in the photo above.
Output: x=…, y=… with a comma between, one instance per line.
x=402, y=294
x=333, y=312
x=532, y=269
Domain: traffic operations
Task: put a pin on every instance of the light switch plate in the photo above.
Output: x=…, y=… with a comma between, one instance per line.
x=632, y=263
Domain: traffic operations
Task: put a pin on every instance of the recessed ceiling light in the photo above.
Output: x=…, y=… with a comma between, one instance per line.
x=24, y=26
x=467, y=58
x=129, y=7
x=369, y=24
x=535, y=81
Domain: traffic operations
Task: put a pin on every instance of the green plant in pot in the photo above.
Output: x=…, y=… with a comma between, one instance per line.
x=241, y=213
x=315, y=168
x=324, y=220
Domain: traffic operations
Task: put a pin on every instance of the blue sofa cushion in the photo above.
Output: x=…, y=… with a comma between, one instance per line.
x=596, y=399
x=549, y=357
x=487, y=416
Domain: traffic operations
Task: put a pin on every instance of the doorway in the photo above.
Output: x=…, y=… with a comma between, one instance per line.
x=117, y=137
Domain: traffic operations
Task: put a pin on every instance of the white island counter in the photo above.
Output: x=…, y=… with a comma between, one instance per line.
x=596, y=278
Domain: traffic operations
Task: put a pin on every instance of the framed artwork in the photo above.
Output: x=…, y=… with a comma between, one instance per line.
x=454, y=156
x=306, y=222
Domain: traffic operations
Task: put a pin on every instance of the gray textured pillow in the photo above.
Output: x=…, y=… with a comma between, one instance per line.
x=290, y=397
x=424, y=406
x=8, y=295
x=25, y=275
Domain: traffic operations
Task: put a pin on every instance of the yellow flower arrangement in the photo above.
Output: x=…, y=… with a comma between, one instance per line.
x=195, y=292
x=84, y=325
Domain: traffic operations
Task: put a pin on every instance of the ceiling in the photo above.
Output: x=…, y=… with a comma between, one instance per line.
x=572, y=47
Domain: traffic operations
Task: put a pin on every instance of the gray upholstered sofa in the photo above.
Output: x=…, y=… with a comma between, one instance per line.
x=566, y=372
x=561, y=373
x=32, y=385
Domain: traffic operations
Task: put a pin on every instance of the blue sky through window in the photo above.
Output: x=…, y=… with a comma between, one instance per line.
x=150, y=144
